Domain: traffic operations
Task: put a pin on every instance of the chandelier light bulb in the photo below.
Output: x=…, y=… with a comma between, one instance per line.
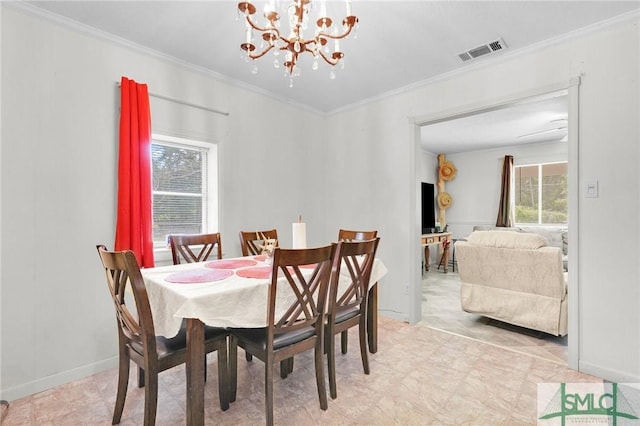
x=297, y=15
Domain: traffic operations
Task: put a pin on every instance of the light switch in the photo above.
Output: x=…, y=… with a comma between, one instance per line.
x=591, y=189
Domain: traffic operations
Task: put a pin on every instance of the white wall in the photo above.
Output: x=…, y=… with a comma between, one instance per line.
x=607, y=60
x=59, y=148
x=476, y=188
x=369, y=187
x=59, y=145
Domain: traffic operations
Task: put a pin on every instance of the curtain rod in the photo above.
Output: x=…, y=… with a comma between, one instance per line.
x=178, y=101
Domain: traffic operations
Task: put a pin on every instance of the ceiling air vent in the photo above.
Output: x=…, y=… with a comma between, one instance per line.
x=482, y=50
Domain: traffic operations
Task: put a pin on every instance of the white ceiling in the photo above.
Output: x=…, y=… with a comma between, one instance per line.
x=534, y=120
x=399, y=44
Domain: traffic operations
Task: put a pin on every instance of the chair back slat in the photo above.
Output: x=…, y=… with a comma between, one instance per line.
x=251, y=241
x=291, y=270
x=356, y=257
x=351, y=235
x=190, y=248
x=122, y=272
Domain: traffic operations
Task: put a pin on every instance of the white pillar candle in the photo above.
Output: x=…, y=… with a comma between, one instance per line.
x=299, y=231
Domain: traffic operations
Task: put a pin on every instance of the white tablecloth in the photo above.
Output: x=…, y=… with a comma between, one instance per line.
x=232, y=302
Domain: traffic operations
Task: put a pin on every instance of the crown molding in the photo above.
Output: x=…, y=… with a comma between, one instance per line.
x=144, y=50
x=497, y=59
x=467, y=68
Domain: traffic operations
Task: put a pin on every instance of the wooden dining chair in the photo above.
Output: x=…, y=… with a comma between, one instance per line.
x=190, y=248
x=250, y=241
x=350, y=235
x=298, y=326
x=347, y=303
x=138, y=341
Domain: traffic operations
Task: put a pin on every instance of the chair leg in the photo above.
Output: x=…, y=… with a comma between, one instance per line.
x=445, y=250
x=319, y=358
x=364, y=354
x=344, y=338
x=232, y=367
x=286, y=367
x=223, y=377
x=140, y=377
x=331, y=363
x=123, y=381
x=150, y=398
x=453, y=260
x=268, y=390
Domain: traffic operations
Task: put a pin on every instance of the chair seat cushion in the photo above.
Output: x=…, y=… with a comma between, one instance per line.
x=259, y=336
x=347, y=314
x=168, y=345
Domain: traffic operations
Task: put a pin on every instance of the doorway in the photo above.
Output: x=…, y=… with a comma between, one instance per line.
x=570, y=92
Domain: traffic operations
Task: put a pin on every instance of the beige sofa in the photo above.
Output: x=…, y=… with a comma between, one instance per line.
x=513, y=277
x=557, y=236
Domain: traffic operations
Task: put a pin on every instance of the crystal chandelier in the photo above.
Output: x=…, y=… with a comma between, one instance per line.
x=294, y=43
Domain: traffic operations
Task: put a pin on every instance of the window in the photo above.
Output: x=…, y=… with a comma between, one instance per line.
x=541, y=193
x=182, y=187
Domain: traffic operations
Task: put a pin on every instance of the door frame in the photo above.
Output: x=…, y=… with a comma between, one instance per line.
x=572, y=87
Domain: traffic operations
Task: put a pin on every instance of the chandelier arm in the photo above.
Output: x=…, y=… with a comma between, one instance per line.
x=261, y=29
x=336, y=37
x=330, y=61
x=307, y=42
x=261, y=54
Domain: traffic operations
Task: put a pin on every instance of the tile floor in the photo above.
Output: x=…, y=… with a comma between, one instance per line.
x=441, y=310
x=420, y=376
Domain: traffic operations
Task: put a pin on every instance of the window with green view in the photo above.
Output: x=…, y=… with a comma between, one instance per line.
x=541, y=193
x=180, y=189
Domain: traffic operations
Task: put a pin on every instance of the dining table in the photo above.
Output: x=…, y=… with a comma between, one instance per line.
x=230, y=292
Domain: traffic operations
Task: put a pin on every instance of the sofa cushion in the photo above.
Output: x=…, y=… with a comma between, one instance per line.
x=557, y=236
x=507, y=239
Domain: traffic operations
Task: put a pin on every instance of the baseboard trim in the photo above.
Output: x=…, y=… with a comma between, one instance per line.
x=58, y=379
x=609, y=374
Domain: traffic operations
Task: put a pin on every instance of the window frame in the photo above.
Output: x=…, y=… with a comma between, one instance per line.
x=210, y=202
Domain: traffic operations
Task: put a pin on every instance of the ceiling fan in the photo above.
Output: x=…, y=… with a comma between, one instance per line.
x=559, y=128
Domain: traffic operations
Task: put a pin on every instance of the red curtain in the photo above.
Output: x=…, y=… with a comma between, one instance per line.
x=134, y=221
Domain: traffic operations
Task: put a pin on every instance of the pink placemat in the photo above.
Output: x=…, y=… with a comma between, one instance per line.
x=230, y=263
x=198, y=276
x=255, y=272
x=310, y=265
x=260, y=257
